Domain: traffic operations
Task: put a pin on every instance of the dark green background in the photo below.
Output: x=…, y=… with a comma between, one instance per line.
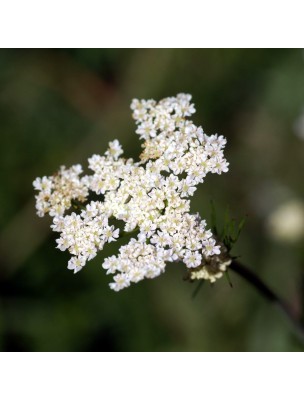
x=61, y=106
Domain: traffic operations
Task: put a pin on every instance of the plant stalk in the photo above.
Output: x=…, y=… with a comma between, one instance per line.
x=269, y=295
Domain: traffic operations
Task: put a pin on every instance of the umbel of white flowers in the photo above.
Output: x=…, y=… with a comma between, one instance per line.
x=150, y=196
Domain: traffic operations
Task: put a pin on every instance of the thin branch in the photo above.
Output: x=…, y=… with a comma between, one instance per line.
x=269, y=295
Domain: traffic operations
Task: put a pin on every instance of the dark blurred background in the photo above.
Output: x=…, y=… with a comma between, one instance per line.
x=58, y=107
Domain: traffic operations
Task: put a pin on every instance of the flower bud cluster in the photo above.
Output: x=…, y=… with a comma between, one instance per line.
x=151, y=196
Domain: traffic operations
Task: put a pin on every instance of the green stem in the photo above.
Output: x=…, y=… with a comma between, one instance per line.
x=269, y=295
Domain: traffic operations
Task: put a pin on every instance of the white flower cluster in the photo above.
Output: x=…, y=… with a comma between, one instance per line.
x=150, y=196
x=57, y=192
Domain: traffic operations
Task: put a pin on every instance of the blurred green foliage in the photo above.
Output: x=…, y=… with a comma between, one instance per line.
x=61, y=106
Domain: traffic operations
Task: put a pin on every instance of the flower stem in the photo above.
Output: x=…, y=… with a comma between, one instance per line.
x=269, y=295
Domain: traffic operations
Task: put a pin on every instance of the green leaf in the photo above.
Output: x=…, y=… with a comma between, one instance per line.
x=198, y=288
x=228, y=278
